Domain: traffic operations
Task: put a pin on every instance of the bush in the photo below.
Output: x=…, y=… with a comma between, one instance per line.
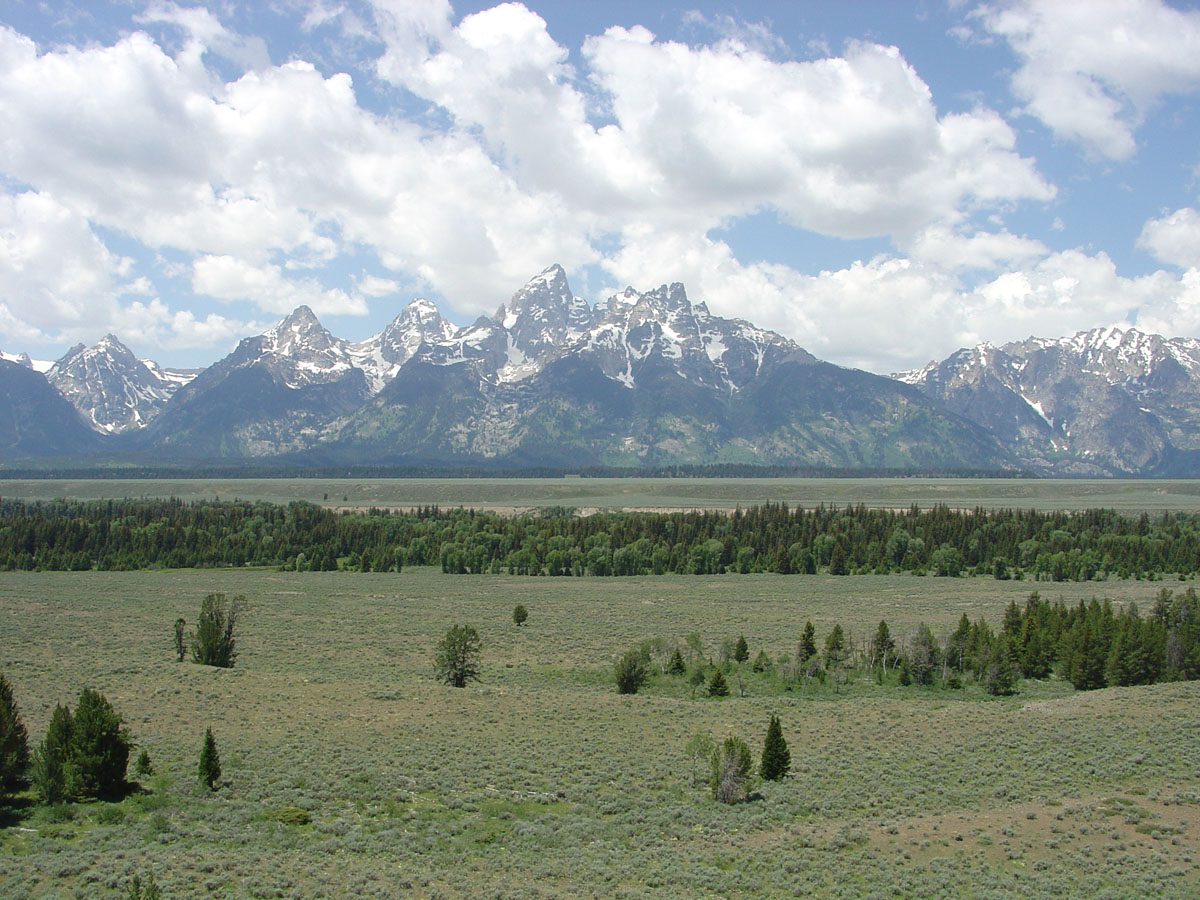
x=213, y=643
x=631, y=672
x=457, y=657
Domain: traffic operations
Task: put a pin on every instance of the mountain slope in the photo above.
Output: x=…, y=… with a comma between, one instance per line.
x=270, y=396
x=35, y=420
x=1102, y=402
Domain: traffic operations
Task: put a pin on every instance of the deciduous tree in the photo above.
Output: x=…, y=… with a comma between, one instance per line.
x=631, y=672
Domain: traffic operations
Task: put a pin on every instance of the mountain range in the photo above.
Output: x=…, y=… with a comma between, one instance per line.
x=639, y=379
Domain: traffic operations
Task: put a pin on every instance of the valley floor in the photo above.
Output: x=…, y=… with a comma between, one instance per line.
x=541, y=781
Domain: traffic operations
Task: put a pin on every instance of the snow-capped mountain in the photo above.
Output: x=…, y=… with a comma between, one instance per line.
x=643, y=377
x=418, y=327
x=24, y=360
x=113, y=389
x=1105, y=401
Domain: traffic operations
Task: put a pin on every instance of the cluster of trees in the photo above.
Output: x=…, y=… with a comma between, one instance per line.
x=84, y=754
x=731, y=775
x=1092, y=645
x=1055, y=546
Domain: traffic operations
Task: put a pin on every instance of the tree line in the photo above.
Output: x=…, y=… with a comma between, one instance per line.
x=1000, y=543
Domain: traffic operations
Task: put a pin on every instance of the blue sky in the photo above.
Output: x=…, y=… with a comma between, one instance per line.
x=884, y=182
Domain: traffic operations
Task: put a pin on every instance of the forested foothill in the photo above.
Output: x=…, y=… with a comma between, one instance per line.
x=999, y=543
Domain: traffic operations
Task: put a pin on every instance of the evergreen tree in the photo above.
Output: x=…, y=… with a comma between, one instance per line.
x=53, y=758
x=717, y=686
x=520, y=614
x=209, y=768
x=457, y=658
x=14, y=741
x=99, y=748
x=741, y=652
x=214, y=643
x=808, y=643
x=676, y=665
x=776, y=760
x=762, y=662
x=999, y=677
x=882, y=645
x=631, y=672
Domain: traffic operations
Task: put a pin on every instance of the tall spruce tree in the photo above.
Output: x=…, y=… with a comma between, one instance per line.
x=52, y=761
x=14, y=741
x=209, y=768
x=741, y=651
x=776, y=759
x=808, y=643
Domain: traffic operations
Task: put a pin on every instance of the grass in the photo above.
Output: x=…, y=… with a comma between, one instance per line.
x=349, y=772
x=508, y=494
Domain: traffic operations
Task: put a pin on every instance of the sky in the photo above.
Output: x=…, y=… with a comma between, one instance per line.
x=882, y=181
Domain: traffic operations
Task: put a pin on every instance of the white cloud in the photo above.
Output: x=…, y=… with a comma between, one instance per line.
x=374, y=286
x=850, y=146
x=632, y=162
x=60, y=283
x=1174, y=239
x=1091, y=71
x=230, y=278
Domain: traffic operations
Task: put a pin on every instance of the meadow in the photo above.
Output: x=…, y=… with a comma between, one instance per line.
x=349, y=771
x=513, y=494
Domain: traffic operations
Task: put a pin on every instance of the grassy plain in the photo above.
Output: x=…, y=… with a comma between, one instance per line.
x=541, y=781
x=508, y=494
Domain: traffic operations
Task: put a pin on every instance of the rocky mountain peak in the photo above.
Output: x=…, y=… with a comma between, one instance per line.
x=110, y=386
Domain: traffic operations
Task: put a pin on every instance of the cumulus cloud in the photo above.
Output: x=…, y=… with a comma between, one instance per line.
x=1174, y=239
x=230, y=278
x=60, y=283
x=851, y=146
x=631, y=156
x=1091, y=71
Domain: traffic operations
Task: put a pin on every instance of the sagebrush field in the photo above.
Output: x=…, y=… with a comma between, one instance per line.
x=349, y=771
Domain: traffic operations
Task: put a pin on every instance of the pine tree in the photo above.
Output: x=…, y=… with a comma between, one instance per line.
x=808, y=643
x=776, y=759
x=717, y=686
x=214, y=643
x=53, y=758
x=457, y=657
x=741, y=652
x=210, y=762
x=520, y=614
x=676, y=665
x=14, y=741
x=99, y=748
